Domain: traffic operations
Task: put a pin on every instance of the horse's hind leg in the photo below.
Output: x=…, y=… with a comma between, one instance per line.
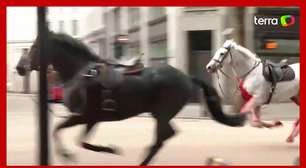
x=71, y=121
x=163, y=112
x=95, y=148
x=164, y=131
x=295, y=131
x=296, y=126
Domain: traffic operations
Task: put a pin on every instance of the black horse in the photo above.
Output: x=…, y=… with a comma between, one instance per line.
x=162, y=91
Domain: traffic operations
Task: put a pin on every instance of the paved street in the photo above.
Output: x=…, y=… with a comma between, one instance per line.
x=197, y=139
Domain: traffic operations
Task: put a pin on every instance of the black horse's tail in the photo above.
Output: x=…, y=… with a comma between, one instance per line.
x=214, y=105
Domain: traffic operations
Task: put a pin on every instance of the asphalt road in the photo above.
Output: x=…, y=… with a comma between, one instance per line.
x=197, y=140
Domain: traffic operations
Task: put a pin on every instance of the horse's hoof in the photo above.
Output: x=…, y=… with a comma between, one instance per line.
x=68, y=156
x=267, y=125
x=257, y=124
x=290, y=140
x=278, y=124
x=115, y=150
x=98, y=148
x=144, y=163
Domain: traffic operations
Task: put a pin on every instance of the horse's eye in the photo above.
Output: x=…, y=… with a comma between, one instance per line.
x=222, y=54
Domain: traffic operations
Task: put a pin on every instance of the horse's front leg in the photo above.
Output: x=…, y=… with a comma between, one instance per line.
x=59, y=146
x=257, y=122
x=255, y=118
x=95, y=148
x=253, y=107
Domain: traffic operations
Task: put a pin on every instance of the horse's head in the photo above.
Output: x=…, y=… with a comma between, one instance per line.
x=220, y=56
x=30, y=60
x=23, y=65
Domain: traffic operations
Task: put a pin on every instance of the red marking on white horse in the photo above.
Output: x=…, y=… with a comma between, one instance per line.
x=244, y=93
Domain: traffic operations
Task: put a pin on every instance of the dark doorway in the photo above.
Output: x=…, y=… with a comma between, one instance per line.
x=199, y=56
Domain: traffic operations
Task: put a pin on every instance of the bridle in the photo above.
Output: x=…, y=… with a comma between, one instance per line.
x=237, y=77
x=220, y=62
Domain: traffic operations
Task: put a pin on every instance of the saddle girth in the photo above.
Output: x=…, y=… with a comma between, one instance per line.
x=108, y=102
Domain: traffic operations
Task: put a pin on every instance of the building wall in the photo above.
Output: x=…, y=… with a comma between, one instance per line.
x=15, y=81
x=25, y=18
x=158, y=34
x=169, y=27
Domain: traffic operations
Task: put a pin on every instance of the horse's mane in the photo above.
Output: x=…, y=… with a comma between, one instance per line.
x=244, y=50
x=75, y=44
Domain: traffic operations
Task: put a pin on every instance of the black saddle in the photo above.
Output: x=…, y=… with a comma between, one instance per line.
x=127, y=67
x=110, y=75
x=130, y=69
x=276, y=72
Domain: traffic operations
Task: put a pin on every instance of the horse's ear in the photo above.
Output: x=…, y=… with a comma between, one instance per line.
x=232, y=42
x=50, y=32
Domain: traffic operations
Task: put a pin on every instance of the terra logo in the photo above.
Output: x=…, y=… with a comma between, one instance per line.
x=287, y=20
x=284, y=21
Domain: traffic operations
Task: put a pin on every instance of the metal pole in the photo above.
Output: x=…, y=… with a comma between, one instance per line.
x=43, y=105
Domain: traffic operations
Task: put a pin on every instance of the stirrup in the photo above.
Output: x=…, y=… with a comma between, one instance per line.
x=109, y=105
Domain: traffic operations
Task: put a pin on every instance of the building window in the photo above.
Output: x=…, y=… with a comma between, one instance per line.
x=134, y=17
x=157, y=12
x=74, y=27
x=121, y=50
x=134, y=49
x=158, y=49
x=61, y=26
x=158, y=52
x=102, y=48
x=117, y=20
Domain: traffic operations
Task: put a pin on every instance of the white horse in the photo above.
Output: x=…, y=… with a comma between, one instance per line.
x=254, y=88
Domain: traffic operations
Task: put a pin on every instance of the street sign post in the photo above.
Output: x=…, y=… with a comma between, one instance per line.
x=43, y=105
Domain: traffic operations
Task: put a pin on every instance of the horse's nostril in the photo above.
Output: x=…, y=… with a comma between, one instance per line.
x=210, y=69
x=21, y=70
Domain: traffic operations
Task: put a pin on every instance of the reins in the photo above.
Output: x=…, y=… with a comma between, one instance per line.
x=237, y=78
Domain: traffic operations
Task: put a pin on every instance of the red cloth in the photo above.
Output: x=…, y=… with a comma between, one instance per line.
x=57, y=93
x=244, y=93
